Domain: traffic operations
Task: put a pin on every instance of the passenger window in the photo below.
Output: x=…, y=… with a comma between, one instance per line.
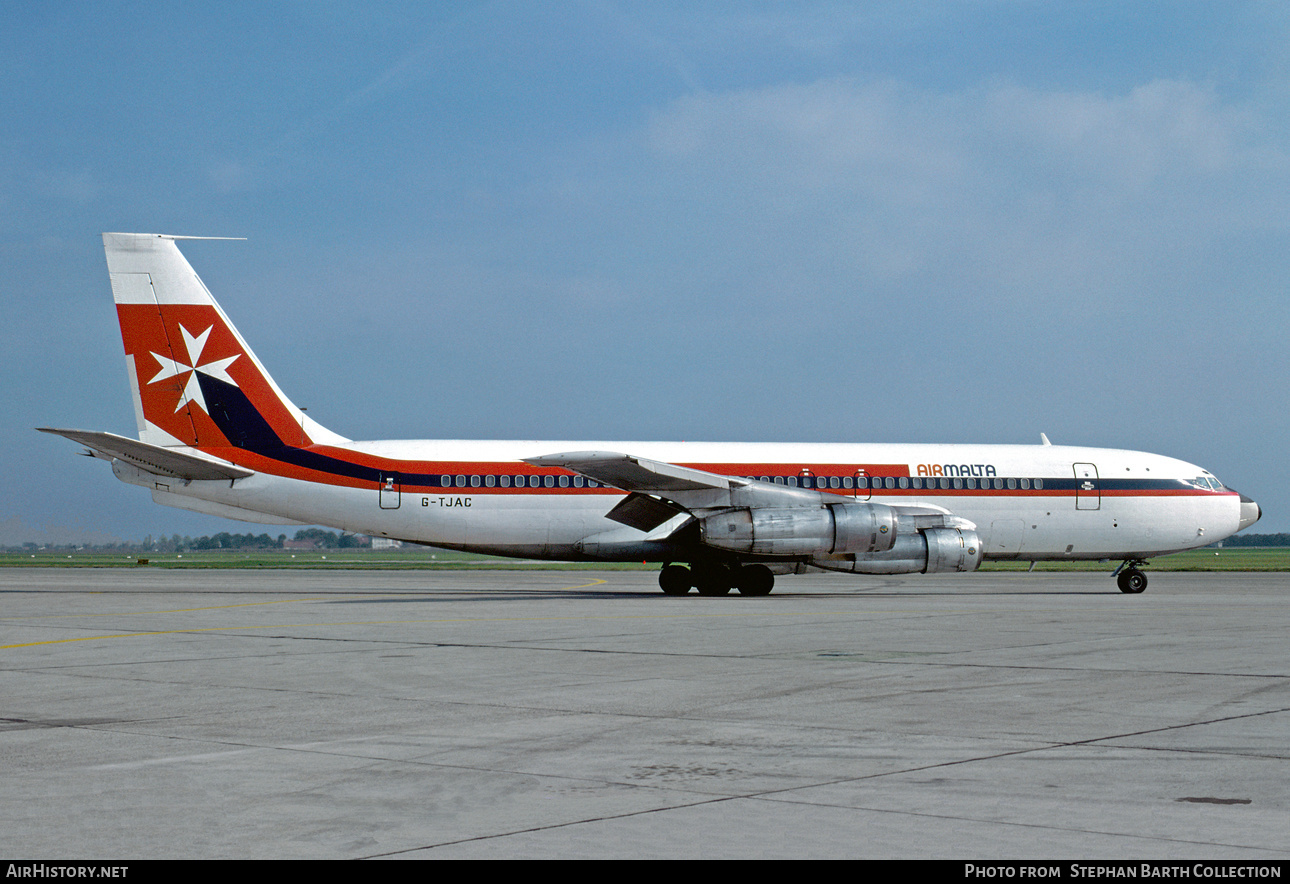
x=461, y=481
x=474, y=481
x=564, y=481
x=846, y=482
x=903, y=482
x=506, y=481
x=489, y=481
x=549, y=481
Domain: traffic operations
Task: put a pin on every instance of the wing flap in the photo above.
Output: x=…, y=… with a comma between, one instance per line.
x=643, y=512
x=152, y=458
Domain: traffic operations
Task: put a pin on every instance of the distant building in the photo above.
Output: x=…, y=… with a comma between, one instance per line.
x=386, y=543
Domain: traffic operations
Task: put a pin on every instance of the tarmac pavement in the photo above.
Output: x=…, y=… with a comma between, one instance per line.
x=423, y=714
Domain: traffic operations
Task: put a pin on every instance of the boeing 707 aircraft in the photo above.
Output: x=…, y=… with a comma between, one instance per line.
x=216, y=435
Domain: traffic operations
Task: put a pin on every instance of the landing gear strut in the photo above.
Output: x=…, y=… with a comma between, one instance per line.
x=1129, y=578
x=713, y=579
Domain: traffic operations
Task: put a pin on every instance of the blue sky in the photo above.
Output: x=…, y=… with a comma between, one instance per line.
x=943, y=222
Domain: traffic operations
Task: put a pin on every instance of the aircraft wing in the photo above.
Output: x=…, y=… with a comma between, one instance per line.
x=659, y=491
x=636, y=473
x=152, y=458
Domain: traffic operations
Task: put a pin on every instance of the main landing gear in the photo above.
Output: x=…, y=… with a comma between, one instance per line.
x=1129, y=578
x=712, y=579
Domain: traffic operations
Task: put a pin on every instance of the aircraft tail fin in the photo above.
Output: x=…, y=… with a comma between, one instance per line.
x=194, y=380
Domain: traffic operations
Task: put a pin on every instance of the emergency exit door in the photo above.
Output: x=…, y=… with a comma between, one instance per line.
x=1088, y=488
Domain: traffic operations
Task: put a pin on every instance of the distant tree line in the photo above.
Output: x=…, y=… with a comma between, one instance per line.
x=224, y=540
x=332, y=540
x=1256, y=540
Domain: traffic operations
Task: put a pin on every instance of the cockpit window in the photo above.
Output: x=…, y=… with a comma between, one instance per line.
x=1207, y=483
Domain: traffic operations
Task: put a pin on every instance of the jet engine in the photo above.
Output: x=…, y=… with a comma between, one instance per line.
x=863, y=538
x=929, y=551
x=803, y=531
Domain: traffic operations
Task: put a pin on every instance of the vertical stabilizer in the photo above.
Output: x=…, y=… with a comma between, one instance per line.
x=194, y=380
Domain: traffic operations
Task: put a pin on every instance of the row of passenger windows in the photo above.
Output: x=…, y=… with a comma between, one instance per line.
x=946, y=482
x=517, y=482
x=822, y=482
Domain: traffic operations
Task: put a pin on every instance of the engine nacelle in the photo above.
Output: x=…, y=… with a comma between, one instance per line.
x=834, y=529
x=929, y=551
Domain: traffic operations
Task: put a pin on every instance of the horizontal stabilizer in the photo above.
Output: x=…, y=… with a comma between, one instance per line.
x=153, y=458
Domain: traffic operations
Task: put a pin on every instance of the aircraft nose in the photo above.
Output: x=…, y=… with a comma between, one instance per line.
x=1251, y=512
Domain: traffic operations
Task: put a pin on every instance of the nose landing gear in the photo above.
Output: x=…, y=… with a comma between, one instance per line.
x=1129, y=577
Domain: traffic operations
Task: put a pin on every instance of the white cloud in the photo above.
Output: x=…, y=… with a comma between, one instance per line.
x=997, y=188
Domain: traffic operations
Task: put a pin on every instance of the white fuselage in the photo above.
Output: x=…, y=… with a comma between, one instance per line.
x=1054, y=502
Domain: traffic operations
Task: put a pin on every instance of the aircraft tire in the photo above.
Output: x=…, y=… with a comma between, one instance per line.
x=756, y=580
x=1132, y=581
x=674, y=580
x=713, y=580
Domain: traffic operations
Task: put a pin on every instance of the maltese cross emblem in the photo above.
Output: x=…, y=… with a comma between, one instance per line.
x=192, y=389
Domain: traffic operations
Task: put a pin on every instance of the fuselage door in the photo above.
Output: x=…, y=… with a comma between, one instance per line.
x=390, y=490
x=1088, y=489
x=862, y=491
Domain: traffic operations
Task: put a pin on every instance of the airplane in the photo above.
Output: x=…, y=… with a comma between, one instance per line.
x=216, y=435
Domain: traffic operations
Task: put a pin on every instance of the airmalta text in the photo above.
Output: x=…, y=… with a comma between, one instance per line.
x=956, y=469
